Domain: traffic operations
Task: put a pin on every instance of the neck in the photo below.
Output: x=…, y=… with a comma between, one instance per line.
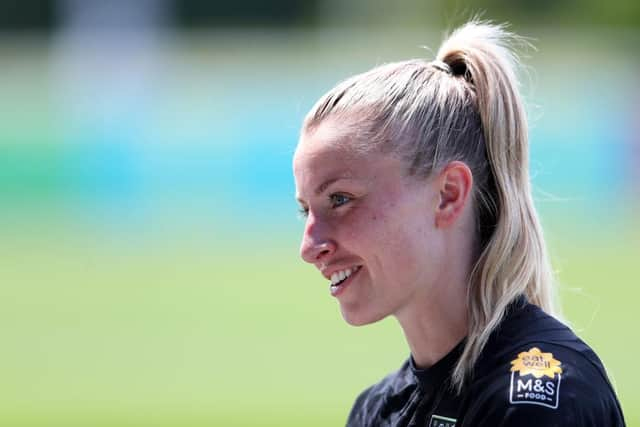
x=436, y=320
x=434, y=331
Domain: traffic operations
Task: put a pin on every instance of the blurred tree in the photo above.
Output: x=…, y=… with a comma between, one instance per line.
x=412, y=13
x=19, y=15
x=40, y=14
x=206, y=13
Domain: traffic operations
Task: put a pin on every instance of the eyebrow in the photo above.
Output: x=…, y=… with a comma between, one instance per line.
x=322, y=187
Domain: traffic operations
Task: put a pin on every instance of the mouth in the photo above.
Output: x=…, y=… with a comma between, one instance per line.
x=340, y=279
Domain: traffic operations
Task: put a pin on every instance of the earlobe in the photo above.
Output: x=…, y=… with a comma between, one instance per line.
x=455, y=183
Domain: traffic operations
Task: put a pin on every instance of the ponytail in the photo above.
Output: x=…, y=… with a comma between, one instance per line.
x=513, y=261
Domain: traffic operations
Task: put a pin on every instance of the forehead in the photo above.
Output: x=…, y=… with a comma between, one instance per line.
x=328, y=148
x=327, y=143
x=331, y=151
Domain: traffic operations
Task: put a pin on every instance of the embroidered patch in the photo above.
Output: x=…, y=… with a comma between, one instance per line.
x=535, y=378
x=440, y=421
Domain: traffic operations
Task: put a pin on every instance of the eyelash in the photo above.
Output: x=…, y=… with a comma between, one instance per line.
x=303, y=212
x=336, y=200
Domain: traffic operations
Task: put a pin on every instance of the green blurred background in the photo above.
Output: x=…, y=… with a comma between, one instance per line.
x=149, y=273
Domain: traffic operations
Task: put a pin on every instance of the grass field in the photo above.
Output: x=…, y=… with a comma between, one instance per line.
x=186, y=329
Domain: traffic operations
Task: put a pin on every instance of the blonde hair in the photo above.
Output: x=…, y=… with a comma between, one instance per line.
x=465, y=105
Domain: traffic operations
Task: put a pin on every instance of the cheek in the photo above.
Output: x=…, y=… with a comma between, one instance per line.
x=394, y=242
x=386, y=240
x=364, y=231
x=405, y=254
x=409, y=246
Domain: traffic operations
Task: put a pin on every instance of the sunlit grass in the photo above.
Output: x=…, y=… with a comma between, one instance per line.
x=196, y=331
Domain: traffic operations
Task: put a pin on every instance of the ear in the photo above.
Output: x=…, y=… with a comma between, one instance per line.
x=454, y=183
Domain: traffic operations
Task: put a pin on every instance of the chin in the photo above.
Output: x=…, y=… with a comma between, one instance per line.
x=360, y=317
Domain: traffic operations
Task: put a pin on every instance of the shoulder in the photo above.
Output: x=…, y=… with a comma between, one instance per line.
x=546, y=376
x=393, y=389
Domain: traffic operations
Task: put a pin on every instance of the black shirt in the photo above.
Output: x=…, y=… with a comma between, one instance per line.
x=534, y=371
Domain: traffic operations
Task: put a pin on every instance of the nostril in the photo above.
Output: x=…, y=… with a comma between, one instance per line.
x=313, y=252
x=324, y=249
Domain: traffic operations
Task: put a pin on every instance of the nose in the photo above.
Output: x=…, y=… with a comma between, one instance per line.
x=316, y=244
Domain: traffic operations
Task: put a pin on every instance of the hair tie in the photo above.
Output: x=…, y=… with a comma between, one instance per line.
x=442, y=66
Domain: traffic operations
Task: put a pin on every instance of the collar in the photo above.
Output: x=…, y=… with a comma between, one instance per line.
x=431, y=379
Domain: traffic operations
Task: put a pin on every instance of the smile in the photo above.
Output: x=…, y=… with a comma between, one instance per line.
x=339, y=278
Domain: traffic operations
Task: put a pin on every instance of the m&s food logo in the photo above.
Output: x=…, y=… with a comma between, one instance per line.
x=535, y=378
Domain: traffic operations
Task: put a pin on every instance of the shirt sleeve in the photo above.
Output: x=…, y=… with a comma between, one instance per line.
x=569, y=390
x=357, y=413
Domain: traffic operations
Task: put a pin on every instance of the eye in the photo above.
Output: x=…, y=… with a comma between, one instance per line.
x=338, y=200
x=303, y=212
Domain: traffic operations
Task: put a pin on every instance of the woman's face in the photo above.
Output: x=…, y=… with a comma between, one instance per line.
x=368, y=226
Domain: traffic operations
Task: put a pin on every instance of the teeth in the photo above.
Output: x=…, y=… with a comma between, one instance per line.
x=334, y=278
x=339, y=276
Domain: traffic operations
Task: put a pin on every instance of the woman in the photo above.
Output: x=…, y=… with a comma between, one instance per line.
x=414, y=181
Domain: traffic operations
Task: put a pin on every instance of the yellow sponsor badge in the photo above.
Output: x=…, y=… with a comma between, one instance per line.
x=535, y=378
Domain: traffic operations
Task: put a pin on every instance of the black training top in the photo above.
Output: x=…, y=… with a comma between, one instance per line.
x=533, y=371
